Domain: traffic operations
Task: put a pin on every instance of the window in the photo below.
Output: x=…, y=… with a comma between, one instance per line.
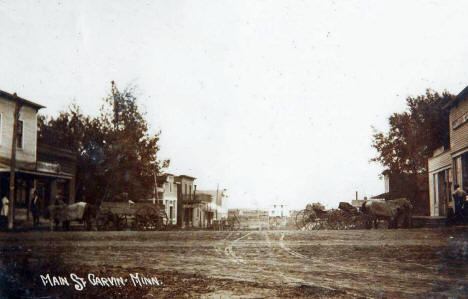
x=171, y=213
x=0, y=128
x=19, y=135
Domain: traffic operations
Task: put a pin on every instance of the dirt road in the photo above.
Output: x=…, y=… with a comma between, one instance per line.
x=262, y=264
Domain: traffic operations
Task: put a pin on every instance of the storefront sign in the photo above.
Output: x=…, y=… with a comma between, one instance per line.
x=48, y=167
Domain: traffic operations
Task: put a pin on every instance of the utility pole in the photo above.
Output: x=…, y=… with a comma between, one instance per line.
x=156, y=199
x=11, y=212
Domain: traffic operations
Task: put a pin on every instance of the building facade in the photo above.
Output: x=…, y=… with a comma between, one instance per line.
x=48, y=170
x=216, y=208
x=190, y=211
x=279, y=210
x=167, y=195
x=449, y=165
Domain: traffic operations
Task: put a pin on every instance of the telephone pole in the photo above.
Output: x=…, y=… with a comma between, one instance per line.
x=11, y=212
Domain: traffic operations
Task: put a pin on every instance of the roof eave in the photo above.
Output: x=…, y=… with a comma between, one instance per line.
x=14, y=97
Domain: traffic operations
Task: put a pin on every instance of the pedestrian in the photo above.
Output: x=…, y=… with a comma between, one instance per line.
x=459, y=197
x=35, y=208
x=5, y=205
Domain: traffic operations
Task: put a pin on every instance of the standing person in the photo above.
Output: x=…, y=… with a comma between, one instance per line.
x=35, y=208
x=459, y=196
x=5, y=206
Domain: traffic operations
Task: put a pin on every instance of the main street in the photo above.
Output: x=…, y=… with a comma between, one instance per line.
x=361, y=263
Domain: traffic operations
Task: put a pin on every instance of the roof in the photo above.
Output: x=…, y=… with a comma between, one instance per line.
x=383, y=195
x=186, y=176
x=14, y=97
x=210, y=192
x=460, y=97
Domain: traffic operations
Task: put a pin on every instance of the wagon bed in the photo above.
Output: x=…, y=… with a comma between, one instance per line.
x=141, y=215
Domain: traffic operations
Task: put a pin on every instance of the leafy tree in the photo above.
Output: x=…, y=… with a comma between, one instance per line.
x=115, y=152
x=404, y=150
x=414, y=134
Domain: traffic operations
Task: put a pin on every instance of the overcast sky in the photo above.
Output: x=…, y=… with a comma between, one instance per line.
x=273, y=100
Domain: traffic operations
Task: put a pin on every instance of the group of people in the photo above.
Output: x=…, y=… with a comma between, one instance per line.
x=35, y=207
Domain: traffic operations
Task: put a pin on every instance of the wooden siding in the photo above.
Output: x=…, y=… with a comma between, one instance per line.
x=65, y=158
x=441, y=161
x=459, y=136
x=28, y=115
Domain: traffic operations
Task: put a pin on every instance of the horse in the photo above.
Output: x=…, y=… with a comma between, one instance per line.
x=79, y=211
x=391, y=211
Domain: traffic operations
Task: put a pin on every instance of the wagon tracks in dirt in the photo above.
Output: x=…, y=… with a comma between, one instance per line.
x=289, y=250
x=218, y=249
x=228, y=250
x=277, y=272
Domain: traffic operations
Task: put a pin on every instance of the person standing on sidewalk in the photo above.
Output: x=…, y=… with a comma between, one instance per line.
x=35, y=208
x=5, y=206
x=459, y=197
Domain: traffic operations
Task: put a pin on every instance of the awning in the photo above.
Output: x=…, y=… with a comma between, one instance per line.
x=193, y=205
x=38, y=173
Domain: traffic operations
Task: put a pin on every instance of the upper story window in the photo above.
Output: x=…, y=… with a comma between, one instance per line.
x=19, y=135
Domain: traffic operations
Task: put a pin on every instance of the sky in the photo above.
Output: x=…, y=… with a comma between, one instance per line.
x=273, y=100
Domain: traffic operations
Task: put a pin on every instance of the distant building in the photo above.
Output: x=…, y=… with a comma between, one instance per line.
x=250, y=219
x=167, y=195
x=190, y=210
x=410, y=186
x=279, y=210
x=217, y=204
x=449, y=164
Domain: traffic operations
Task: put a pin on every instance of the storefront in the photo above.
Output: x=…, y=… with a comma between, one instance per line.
x=449, y=165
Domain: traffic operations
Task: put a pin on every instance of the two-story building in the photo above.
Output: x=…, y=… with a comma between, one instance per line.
x=49, y=170
x=167, y=195
x=279, y=210
x=449, y=165
x=190, y=211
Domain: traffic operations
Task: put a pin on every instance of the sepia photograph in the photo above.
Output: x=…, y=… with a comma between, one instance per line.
x=233, y=149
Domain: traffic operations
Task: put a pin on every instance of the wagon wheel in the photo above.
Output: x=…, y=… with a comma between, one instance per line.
x=306, y=219
x=104, y=221
x=119, y=221
x=333, y=221
x=300, y=219
x=150, y=218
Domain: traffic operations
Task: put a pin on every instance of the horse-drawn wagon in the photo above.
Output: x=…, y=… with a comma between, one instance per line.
x=315, y=217
x=110, y=215
x=136, y=215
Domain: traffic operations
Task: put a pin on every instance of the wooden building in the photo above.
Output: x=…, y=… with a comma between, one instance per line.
x=49, y=170
x=449, y=165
